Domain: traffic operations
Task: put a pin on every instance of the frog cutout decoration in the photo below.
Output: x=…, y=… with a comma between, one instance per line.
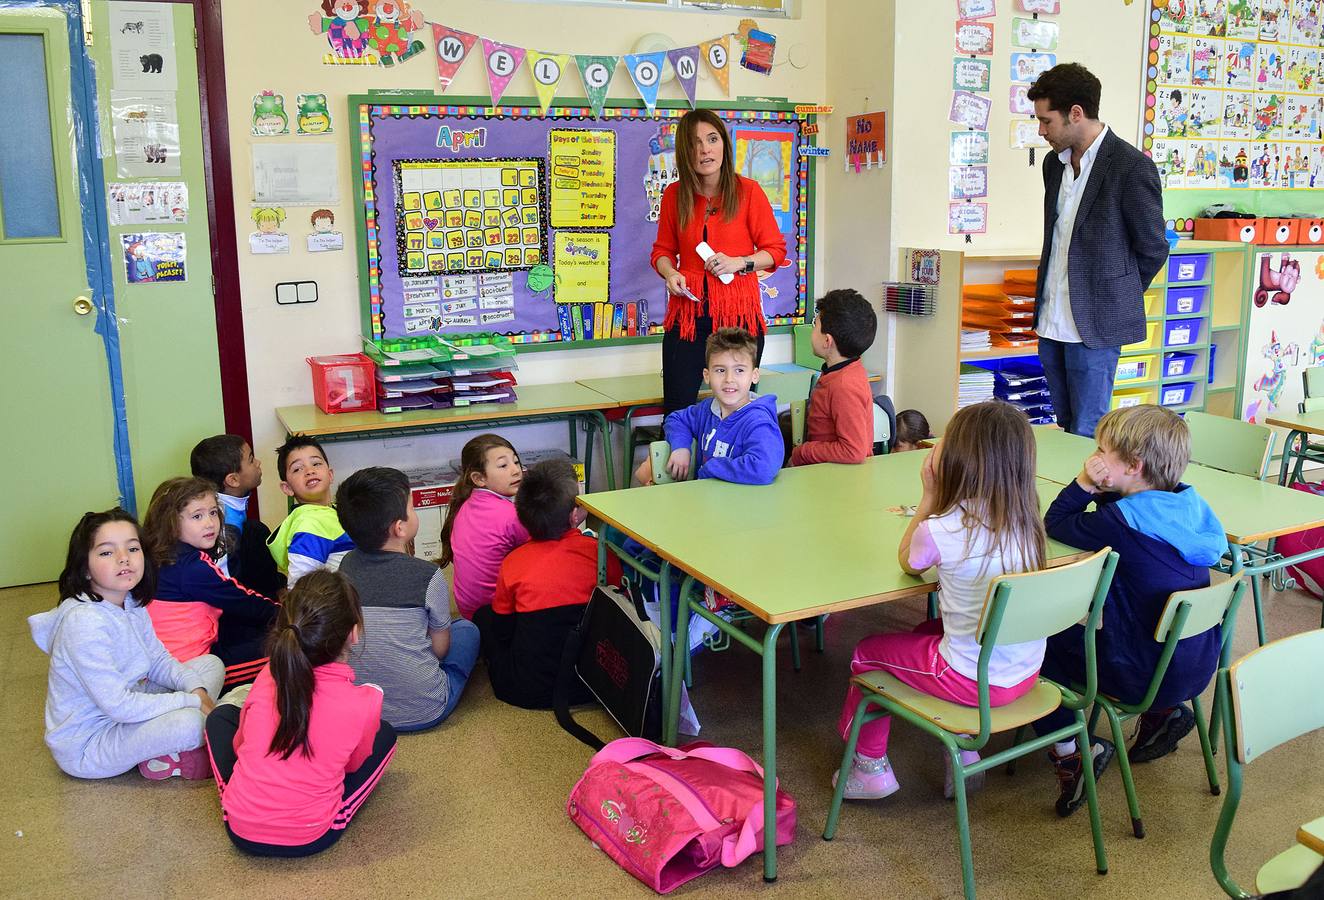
x=269, y=116
x=313, y=117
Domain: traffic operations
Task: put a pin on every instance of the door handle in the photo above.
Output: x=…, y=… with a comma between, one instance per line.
x=82, y=305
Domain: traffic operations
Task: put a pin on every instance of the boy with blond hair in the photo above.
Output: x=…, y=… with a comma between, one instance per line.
x=1166, y=538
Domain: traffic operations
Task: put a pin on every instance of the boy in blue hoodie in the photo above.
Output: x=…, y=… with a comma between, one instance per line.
x=1166, y=538
x=737, y=432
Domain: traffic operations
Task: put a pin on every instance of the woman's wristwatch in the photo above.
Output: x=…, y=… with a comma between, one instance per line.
x=749, y=266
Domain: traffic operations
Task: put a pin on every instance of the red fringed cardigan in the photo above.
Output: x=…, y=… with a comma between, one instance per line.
x=737, y=304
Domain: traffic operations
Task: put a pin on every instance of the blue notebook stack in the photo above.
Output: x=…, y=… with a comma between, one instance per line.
x=1021, y=382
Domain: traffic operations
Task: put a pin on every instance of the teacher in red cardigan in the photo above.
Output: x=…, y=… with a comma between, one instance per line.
x=709, y=203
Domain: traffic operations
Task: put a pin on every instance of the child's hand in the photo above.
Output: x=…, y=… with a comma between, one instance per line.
x=678, y=464
x=1095, y=476
x=208, y=704
x=926, y=476
x=644, y=474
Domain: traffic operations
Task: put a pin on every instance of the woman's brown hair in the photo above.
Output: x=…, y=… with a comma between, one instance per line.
x=987, y=463
x=160, y=529
x=473, y=459
x=312, y=629
x=687, y=184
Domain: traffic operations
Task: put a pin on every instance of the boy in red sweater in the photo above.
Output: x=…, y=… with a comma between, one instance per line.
x=542, y=588
x=839, y=423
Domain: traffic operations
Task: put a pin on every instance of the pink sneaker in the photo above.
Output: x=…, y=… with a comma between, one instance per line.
x=869, y=780
x=191, y=765
x=972, y=782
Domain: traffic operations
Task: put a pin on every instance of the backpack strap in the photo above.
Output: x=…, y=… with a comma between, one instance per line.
x=565, y=681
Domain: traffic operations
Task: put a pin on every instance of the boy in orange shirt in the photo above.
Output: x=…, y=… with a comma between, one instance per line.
x=839, y=422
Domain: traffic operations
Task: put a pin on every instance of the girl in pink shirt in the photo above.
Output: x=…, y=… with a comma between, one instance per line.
x=309, y=745
x=481, y=525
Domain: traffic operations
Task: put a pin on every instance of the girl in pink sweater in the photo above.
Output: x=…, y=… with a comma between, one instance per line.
x=481, y=525
x=309, y=746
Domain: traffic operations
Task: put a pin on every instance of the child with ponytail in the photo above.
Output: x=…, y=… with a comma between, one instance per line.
x=309, y=746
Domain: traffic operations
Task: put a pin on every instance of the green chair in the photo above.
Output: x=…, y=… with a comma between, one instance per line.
x=1268, y=697
x=1018, y=608
x=1313, y=402
x=1241, y=448
x=1187, y=614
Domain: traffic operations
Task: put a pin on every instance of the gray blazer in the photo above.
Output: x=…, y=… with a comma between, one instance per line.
x=1117, y=243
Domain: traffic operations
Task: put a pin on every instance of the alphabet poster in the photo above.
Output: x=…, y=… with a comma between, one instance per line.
x=142, y=47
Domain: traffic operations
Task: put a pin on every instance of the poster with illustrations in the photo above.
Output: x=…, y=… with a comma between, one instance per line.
x=142, y=47
x=154, y=257
x=1285, y=331
x=1233, y=93
x=145, y=128
x=146, y=202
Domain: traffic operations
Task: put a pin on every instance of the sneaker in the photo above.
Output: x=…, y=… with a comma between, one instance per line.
x=1070, y=776
x=191, y=765
x=869, y=780
x=972, y=782
x=1159, y=731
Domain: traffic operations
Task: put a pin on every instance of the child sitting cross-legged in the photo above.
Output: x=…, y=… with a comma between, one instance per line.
x=416, y=654
x=115, y=697
x=481, y=526
x=542, y=588
x=311, y=537
x=978, y=518
x=737, y=432
x=1166, y=538
x=839, y=421
x=200, y=608
x=309, y=746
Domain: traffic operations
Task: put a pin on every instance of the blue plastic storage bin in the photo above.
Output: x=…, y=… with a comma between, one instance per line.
x=1187, y=301
x=1176, y=394
x=1178, y=364
x=1181, y=332
x=1213, y=353
x=1188, y=267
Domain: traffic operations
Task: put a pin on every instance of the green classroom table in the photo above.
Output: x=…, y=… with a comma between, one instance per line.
x=842, y=522
x=570, y=402
x=1300, y=428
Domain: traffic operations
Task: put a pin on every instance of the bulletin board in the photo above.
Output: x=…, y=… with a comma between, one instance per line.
x=1233, y=99
x=499, y=219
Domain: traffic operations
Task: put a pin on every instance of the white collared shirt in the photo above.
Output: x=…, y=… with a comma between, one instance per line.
x=1055, y=319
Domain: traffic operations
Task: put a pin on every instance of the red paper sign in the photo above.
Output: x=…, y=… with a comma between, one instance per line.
x=866, y=140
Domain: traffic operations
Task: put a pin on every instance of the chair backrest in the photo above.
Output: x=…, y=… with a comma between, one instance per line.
x=1312, y=404
x=804, y=348
x=1275, y=693
x=1208, y=607
x=1036, y=605
x=1232, y=445
x=884, y=424
x=799, y=409
x=1312, y=381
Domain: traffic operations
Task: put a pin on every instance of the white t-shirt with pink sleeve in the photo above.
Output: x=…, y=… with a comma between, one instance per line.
x=486, y=529
x=967, y=561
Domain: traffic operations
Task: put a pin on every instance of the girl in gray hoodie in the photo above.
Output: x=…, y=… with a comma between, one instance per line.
x=115, y=698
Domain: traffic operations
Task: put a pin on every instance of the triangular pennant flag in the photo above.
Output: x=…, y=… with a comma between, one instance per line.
x=453, y=48
x=646, y=71
x=685, y=60
x=597, y=72
x=718, y=56
x=547, y=69
x=502, y=62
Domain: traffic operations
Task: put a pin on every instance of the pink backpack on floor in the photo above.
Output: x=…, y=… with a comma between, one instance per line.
x=1309, y=575
x=667, y=815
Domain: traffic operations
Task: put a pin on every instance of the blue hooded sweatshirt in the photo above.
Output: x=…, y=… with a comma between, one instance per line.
x=1166, y=541
x=746, y=447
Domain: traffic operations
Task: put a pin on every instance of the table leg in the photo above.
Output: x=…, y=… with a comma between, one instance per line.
x=680, y=644
x=664, y=602
x=588, y=453
x=1292, y=437
x=770, y=752
x=598, y=420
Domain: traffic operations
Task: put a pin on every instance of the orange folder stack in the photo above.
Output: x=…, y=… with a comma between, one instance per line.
x=1005, y=311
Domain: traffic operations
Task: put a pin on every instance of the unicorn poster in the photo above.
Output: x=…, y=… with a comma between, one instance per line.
x=1285, y=333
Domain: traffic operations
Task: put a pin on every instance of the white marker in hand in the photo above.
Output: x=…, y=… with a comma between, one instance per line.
x=705, y=253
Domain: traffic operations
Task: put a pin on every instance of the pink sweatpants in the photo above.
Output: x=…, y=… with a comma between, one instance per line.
x=912, y=657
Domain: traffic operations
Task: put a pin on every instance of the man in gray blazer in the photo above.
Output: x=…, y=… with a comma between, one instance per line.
x=1103, y=244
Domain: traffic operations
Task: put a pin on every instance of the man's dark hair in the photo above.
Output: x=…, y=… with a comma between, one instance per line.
x=369, y=502
x=546, y=499
x=216, y=457
x=295, y=442
x=850, y=320
x=1067, y=85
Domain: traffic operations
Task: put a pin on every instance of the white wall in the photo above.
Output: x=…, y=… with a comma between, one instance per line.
x=1105, y=36
x=284, y=56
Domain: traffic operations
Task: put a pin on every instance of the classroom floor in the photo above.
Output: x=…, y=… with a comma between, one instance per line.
x=476, y=808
